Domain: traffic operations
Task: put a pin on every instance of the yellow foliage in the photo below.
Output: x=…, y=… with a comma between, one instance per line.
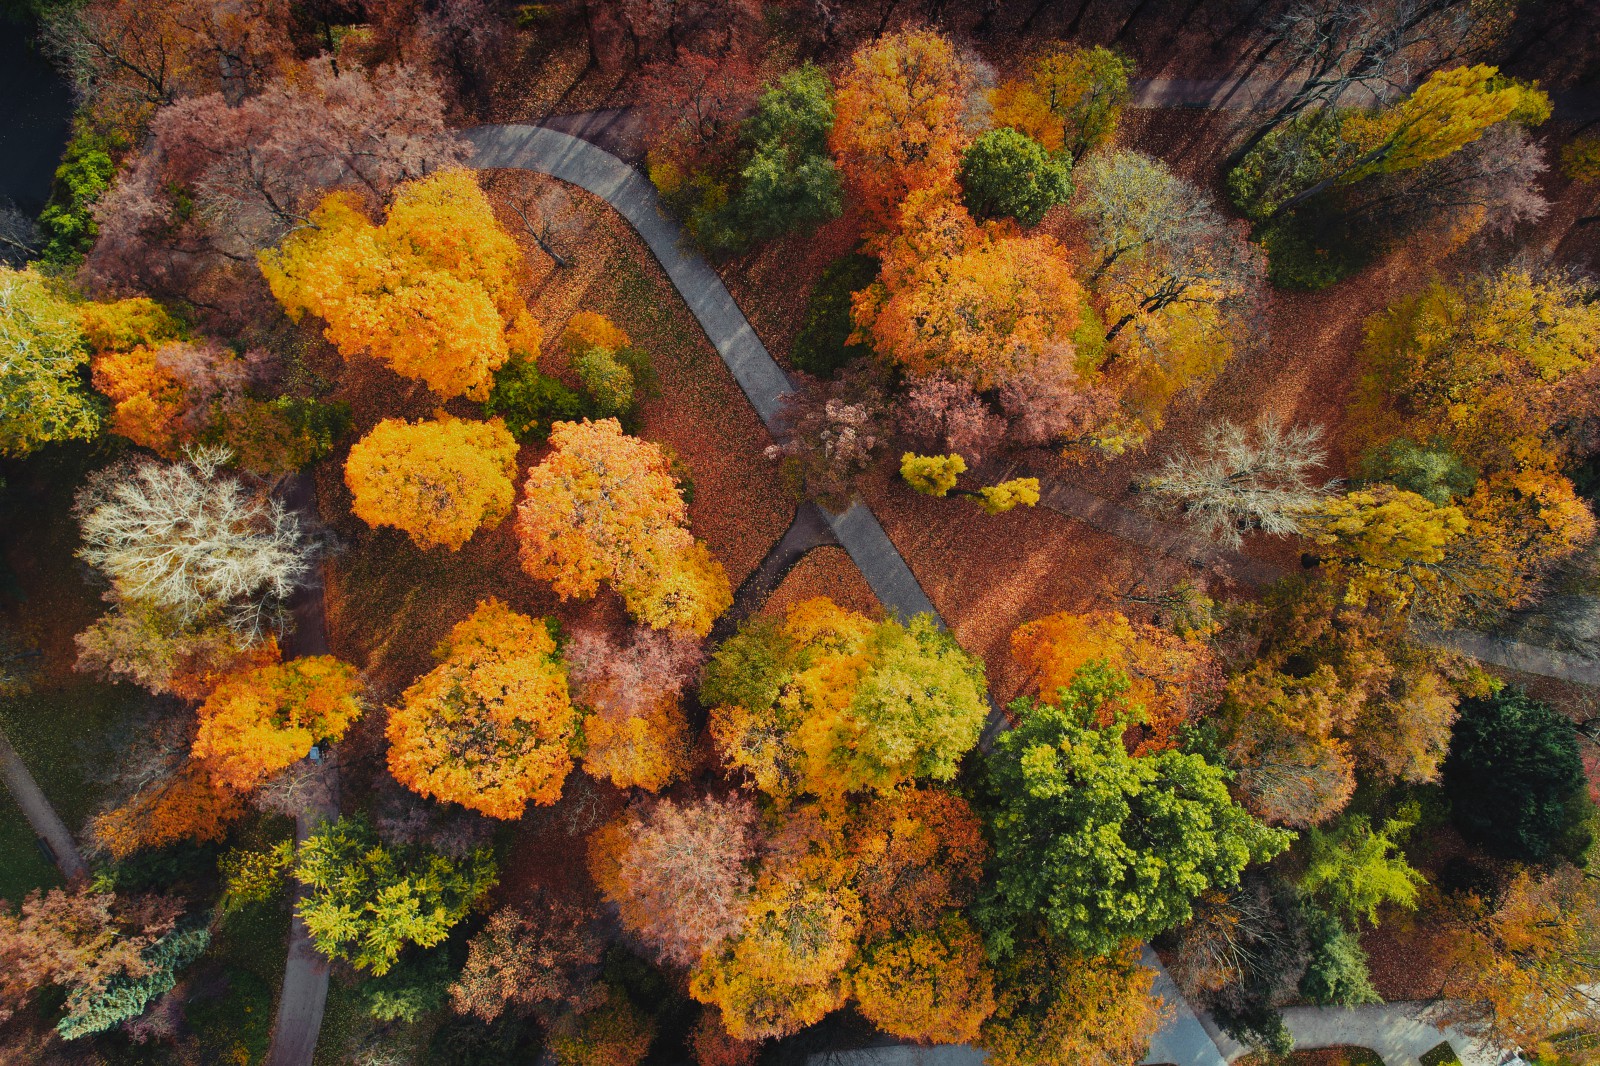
x=489, y=728
x=432, y=291
x=1018, y=492
x=1071, y=98
x=645, y=751
x=589, y=330
x=257, y=723
x=438, y=481
x=932, y=475
x=931, y=986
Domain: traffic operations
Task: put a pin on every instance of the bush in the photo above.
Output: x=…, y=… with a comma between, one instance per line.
x=1515, y=779
x=1441, y=1054
x=823, y=345
x=86, y=170
x=529, y=402
x=1337, y=972
x=1436, y=474
x=1310, y=249
x=278, y=436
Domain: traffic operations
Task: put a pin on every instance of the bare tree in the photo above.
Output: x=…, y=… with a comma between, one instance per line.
x=551, y=219
x=1238, y=480
x=189, y=537
x=19, y=237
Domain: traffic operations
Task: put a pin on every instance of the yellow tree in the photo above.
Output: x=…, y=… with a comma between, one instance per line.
x=438, y=481
x=256, y=723
x=491, y=726
x=432, y=291
x=898, y=121
x=604, y=507
x=1278, y=736
x=1175, y=680
x=932, y=986
x=1056, y=1009
x=643, y=750
x=1069, y=100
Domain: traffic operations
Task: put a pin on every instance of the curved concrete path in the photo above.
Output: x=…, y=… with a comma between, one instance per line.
x=1182, y=1041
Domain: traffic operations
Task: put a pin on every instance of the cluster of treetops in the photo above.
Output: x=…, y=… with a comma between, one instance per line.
x=851, y=843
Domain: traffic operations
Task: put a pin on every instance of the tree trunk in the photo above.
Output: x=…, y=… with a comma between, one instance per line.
x=1138, y=9
x=1111, y=335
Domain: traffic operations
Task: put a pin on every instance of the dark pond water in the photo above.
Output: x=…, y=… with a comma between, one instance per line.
x=35, y=118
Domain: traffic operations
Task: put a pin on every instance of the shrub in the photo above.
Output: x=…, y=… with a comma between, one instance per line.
x=1006, y=174
x=530, y=402
x=87, y=167
x=823, y=344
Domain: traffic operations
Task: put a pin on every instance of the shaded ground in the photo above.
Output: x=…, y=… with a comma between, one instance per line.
x=825, y=571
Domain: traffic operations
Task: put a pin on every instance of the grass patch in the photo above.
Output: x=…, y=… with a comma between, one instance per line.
x=1442, y=1055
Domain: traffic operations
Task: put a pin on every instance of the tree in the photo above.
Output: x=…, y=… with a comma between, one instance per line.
x=540, y=955
x=827, y=702
x=788, y=183
x=82, y=941
x=949, y=417
x=156, y=648
x=638, y=735
x=710, y=1044
x=647, y=750
x=615, y=1033
x=365, y=902
x=1055, y=1008
x=785, y=969
x=1438, y=475
x=125, y=996
x=1070, y=100
x=1278, y=734
x=437, y=481
x=1175, y=680
x=932, y=987
x=1009, y=174
x=1164, y=257
x=185, y=804
x=1351, y=869
x=1096, y=845
x=831, y=430
x=915, y=855
x=1521, y=971
x=678, y=874
x=609, y=368
x=432, y=291
x=490, y=727
x=975, y=308
x=42, y=353
x=936, y=475
x=899, y=121
x=1336, y=974
x=603, y=506
x=184, y=537
x=1515, y=779
x=1496, y=368
x=1237, y=481
x=251, y=171
x=255, y=724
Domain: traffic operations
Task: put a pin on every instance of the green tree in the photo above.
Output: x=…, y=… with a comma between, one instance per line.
x=1436, y=473
x=366, y=902
x=1515, y=779
x=125, y=996
x=1355, y=869
x=1096, y=844
x=789, y=181
x=43, y=395
x=1006, y=174
x=1336, y=974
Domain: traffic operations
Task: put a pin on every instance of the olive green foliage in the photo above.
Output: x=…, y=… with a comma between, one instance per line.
x=86, y=169
x=414, y=987
x=366, y=902
x=1006, y=174
x=823, y=346
x=1441, y=1055
x=1312, y=247
x=607, y=381
x=1097, y=845
x=788, y=183
x=252, y=876
x=44, y=394
x=529, y=402
x=124, y=997
x=1292, y=157
x=1355, y=869
x=1336, y=974
x=1437, y=474
x=1515, y=779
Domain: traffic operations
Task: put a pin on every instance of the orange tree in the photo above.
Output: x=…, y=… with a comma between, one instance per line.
x=432, y=291
x=898, y=121
x=187, y=805
x=604, y=507
x=828, y=702
x=914, y=854
x=1069, y=100
x=438, y=481
x=1175, y=680
x=491, y=726
x=257, y=723
x=932, y=986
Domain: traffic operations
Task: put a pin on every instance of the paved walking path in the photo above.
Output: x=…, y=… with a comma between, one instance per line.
x=305, y=975
x=809, y=530
x=36, y=807
x=764, y=383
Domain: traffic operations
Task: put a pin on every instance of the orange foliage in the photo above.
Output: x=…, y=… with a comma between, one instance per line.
x=490, y=727
x=645, y=750
x=148, y=399
x=710, y=1044
x=898, y=121
x=603, y=506
x=586, y=330
x=259, y=722
x=934, y=986
x=432, y=291
x=189, y=805
x=438, y=481
x=983, y=307
x=1173, y=679
x=915, y=854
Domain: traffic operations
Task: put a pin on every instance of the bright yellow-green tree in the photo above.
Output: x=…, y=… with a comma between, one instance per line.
x=42, y=352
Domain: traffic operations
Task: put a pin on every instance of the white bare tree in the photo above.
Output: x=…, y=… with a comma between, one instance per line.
x=190, y=537
x=1240, y=479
